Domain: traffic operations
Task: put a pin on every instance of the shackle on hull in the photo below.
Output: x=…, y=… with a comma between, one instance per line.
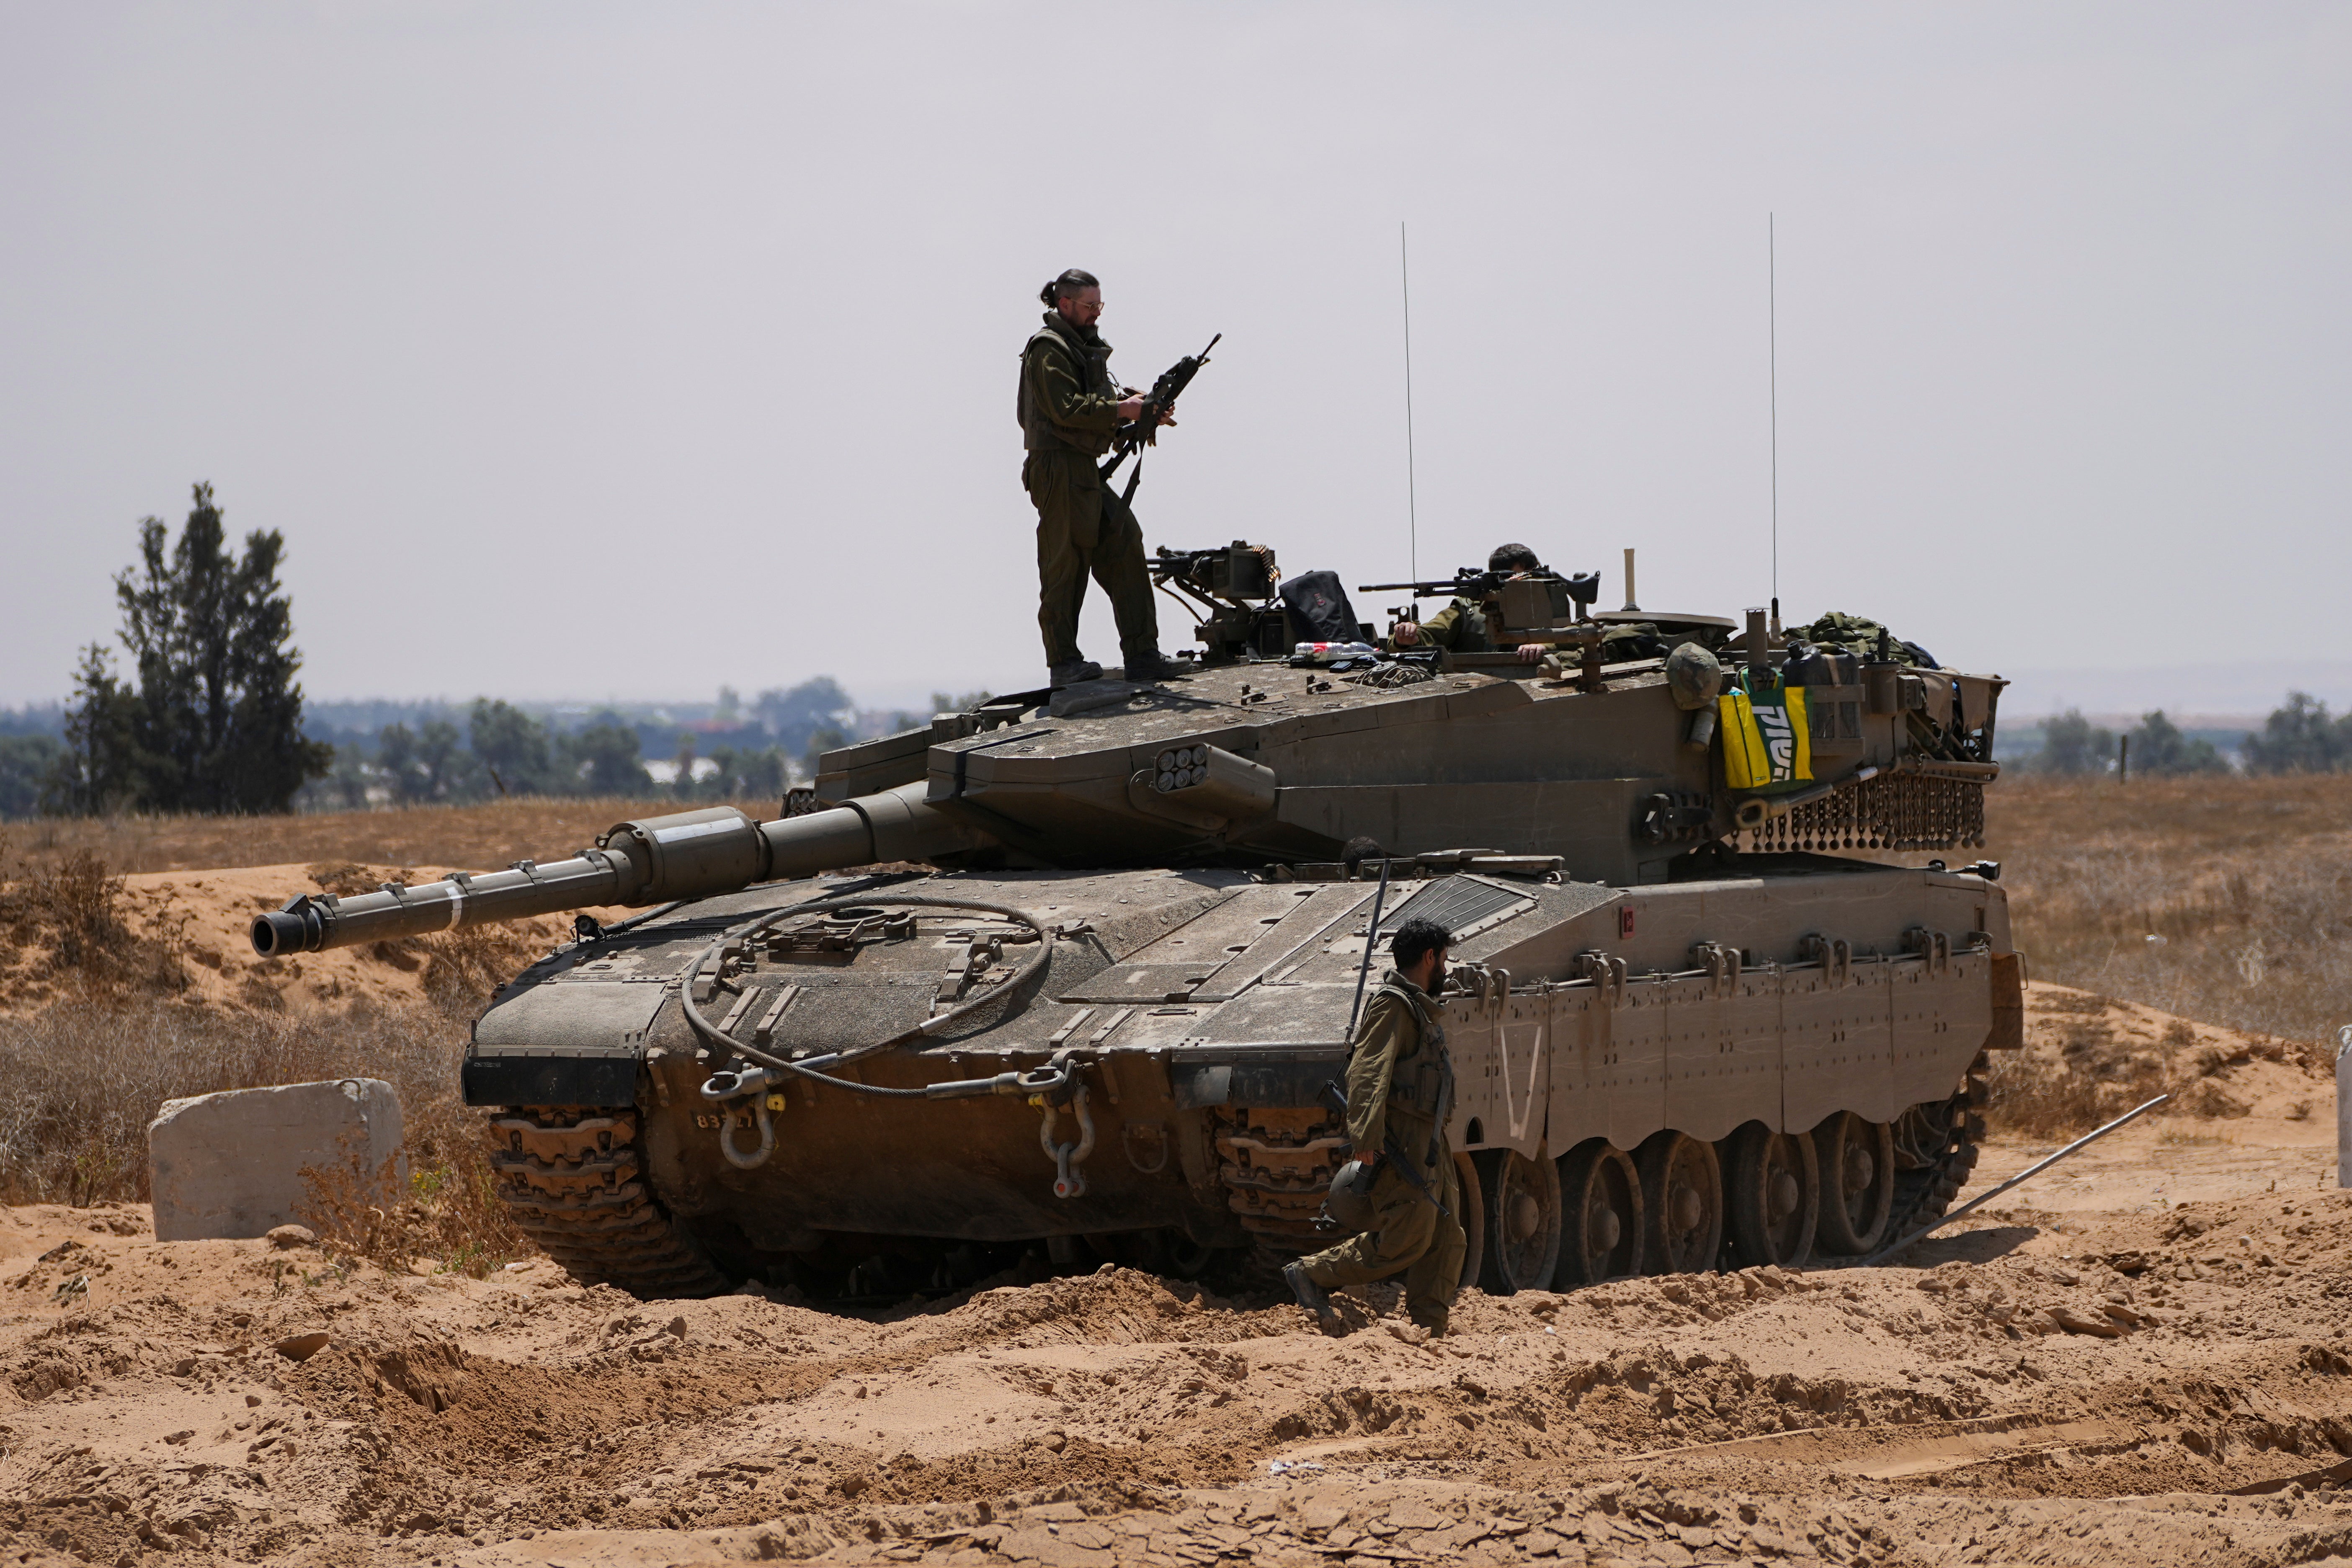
x=689, y=855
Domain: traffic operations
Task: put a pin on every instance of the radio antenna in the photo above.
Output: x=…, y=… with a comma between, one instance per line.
x=1412, y=504
x=1772, y=350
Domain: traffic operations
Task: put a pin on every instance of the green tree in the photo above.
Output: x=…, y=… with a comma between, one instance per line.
x=2158, y=747
x=2299, y=739
x=212, y=718
x=2072, y=744
x=103, y=768
x=606, y=759
x=27, y=764
x=512, y=747
x=345, y=787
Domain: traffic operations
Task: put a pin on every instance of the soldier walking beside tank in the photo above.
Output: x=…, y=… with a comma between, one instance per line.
x=1071, y=410
x=1399, y=1085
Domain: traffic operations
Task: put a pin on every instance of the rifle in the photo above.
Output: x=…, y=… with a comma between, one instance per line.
x=1471, y=584
x=1145, y=431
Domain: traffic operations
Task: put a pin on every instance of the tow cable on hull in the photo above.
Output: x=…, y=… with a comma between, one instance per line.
x=1048, y=1088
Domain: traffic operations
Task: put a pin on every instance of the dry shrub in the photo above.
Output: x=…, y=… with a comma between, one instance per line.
x=447, y=1210
x=85, y=1080
x=2039, y=1093
x=2083, y=1072
x=64, y=932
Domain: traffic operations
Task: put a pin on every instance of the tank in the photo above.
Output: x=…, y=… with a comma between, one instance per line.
x=1070, y=972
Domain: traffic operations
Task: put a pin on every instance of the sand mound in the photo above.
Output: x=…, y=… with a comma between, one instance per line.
x=2089, y=1057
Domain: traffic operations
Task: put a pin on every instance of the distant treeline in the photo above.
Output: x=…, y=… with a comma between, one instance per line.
x=2298, y=738
x=406, y=754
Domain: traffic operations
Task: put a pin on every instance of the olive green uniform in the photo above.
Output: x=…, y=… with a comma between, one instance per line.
x=1460, y=627
x=1397, y=1078
x=1069, y=413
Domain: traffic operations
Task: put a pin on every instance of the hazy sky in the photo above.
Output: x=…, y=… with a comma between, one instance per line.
x=622, y=351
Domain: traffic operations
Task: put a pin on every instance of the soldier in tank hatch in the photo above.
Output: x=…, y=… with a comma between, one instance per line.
x=1070, y=411
x=1400, y=1087
x=1462, y=625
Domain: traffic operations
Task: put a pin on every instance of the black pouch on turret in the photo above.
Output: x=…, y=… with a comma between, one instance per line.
x=1318, y=609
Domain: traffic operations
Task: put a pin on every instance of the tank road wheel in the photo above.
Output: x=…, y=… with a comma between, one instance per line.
x=1471, y=1210
x=1521, y=1198
x=1857, y=1164
x=1601, y=1203
x=1682, y=1202
x=1772, y=1189
x=574, y=1180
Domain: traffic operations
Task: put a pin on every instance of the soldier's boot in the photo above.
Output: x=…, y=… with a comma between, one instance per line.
x=1312, y=1296
x=1071, y=673
x=1434, y=1318
x=1153, y=665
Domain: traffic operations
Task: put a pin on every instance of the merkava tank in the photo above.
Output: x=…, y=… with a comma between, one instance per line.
x=1069, y=972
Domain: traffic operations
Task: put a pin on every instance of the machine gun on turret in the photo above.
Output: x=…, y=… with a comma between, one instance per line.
x=1233, y=589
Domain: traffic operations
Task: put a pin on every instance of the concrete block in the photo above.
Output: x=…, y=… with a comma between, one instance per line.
x=230, y=1164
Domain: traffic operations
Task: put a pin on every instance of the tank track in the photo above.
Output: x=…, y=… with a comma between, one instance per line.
x=1936, y=1149
x=573, y=1179
x=1276, y=1165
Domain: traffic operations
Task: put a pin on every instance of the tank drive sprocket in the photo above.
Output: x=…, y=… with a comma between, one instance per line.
x=574, y=1180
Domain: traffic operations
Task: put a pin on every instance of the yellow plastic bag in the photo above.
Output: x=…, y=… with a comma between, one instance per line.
x=1766, y=740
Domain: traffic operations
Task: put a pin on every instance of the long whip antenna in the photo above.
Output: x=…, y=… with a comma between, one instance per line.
x=1772, y=342
x=1412, y=505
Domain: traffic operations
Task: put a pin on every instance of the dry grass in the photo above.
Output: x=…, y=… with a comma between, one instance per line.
x=472, y=837
x=450, y=1211
x=2246, y=882
x=64, y=932
x=85, y=1080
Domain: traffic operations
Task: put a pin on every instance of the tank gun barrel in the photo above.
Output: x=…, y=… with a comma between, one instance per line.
x=688, y=855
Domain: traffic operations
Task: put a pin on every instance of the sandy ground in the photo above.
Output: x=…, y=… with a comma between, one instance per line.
x=2141, y=1356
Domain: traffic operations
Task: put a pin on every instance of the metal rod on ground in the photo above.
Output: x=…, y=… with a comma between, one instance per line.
x=1371, y=940
x=2035, y=1169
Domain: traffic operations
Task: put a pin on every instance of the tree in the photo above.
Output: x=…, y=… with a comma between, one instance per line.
x=761, y=774
x=103, y=768
x=2072, y=744
x=2158, y=747
x=215, y=719
x=607, y=759
x=794, y=715
x=28, y=763
x=512, y=746
x=2299, y=739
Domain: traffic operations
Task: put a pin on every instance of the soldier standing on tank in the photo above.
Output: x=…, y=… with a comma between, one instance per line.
x=1400, y=1084
x=1462, y=625
x=1070, y=412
